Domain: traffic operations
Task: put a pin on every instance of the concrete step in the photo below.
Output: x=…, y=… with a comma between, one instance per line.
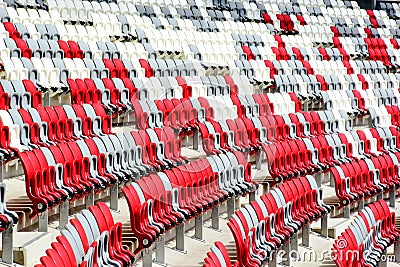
x=30, y=246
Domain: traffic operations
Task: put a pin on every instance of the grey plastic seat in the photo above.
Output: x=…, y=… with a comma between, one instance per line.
x=171, y=68
x=256, y=53
x=4, y=15
x=101, y=67
x=45, y=48
x=212, y=26
x=124, y=24
x=36, y=51
x=14, y=50
x=113, y=50
x=149, y=49
x=164, y=81
x=103, y=48
x=53, y=33
x=156, y=21
x=198, y=26
x=167, y=13
x=141, y=10
x=173, y=23
x=335, y=80
x=94, y=72
x=195, y=51
x=15, y=98
x=211, y=88
x=350, y=81
x=64, y=72
x=32, y=71
x=258, y=41
x=212, y=14
x=99, y=84
x=141, y=36
x=293, y=66
x=85, y=48
x=22, y=30
x=43, y=31
x=289, y=86
x=154, y=65
x=371, y=66
x=278, y=67
x=300, y=67
x=388, y=80
x=251, y=40
x=293, y=81
x=57, y=52
x=224, y=89
x=164, y=70
x=181, y=13
x=125, y=97
x=185, y=67
x=132, y=72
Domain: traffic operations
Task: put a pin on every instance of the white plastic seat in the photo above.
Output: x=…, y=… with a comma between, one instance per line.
x=4, y=50
x=122, y=49
x=48, y=75
x=136, y=65
x=14, y=16
x=3, y=34
x=178, y=91
x=20, y=67
x=154, y=91
x=97, y=33
x=23, y=15
x=244, y=85
x=114, y=26
x=14, y=130
x=223, y=107
x=50, y=17
x=32, y=31
x=83, y=32
x=14, y=72
x=262, y=73
x=75, y=35
x=81, y=68
x=302, y=85
x=371, y=83
x=96, y=52
x=135, y=50
x=370, y=98
x=64, y=35
x=198, y=88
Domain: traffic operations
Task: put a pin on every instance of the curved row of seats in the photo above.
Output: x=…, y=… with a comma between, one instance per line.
x=264, y=225
x=19, y=94
x=163, y=200
x=391, y=9
x=246, y=132
x=70, y=170
x=218, y=256
x=366, y=177
x=368, y=236
x=197, y=110
x=35, y=127
x=75, y=68
x=92, y=238
x=287, y=83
